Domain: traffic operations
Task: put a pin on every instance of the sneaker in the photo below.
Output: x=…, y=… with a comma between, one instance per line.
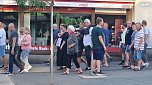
x=144, y=65
x=8, y=73
x=87, y=68
x=2, y=66
x=29, y=68
x=24, y=70
x=110, y=59
x=47, y=62
x=100, y=73
x=122, y=62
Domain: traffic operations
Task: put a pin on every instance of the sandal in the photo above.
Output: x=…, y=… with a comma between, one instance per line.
x=5, y=67
x=79, y=72
x=66, y=73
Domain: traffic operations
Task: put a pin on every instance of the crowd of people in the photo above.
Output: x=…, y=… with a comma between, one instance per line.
x=20, y=44
x=133, y=43
x=71, y=44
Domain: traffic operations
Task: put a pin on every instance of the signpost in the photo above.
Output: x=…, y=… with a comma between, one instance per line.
x=51, y=60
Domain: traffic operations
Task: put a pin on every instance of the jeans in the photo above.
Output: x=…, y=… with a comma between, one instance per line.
x=88, y=54
x=74, y=57
x=145, y=57
x=137, y=54
x=12, y=59
x=24, y=58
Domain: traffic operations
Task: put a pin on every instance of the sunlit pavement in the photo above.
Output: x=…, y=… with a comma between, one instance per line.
x=116, y=75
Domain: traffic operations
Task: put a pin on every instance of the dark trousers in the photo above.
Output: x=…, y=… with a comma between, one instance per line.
x=12, y=60
x=88, y=54
x=74, y=57
x=61, y=57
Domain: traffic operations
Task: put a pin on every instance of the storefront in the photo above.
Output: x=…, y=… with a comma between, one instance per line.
x=114, y=12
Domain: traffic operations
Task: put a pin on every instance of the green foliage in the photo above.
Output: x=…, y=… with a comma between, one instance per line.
x=70, y=21
x=21, y=3
x=36, y=3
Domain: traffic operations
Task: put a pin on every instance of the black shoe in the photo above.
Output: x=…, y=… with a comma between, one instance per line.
x=122, y=62
x=100, y=73
x=110, y=59
x=87, y=68
x=47, y=62
x=2, y=66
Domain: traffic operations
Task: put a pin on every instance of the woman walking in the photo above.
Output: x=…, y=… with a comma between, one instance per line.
x=26, y=48
x=72, y=50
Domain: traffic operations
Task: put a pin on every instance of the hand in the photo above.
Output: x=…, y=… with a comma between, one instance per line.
x=105, y=49
x=61, y=48
x=12, y=52
x=130, y=47
x=69, y=46
x=137, y=48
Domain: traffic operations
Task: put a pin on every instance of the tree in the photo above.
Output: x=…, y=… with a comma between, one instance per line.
x=27, y=4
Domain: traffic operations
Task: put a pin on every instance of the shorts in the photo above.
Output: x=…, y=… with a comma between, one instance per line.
x=138, y=54
x=127, y=49
x=122, y=48
x=98, y=54
x=25, y=53
x=2, y=50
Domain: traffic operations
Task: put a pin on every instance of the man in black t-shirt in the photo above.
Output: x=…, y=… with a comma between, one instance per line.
x=128, y=42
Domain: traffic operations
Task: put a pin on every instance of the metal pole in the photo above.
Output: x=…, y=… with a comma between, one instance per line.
x=91, y=72
x=51, y=60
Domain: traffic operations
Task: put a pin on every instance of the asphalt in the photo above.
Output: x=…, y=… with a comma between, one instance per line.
x=116, y=75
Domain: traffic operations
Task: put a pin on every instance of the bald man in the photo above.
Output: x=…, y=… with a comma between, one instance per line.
x=13, y=42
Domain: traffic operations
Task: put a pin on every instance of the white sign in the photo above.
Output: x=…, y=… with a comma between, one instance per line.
x=93, y=5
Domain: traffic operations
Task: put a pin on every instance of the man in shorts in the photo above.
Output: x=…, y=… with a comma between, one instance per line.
x=3, y=45
x=99, y=47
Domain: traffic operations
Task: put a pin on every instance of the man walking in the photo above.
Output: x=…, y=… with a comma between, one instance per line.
x=138, y=45
x=98, y=46
x=146, y=38
x=87, y=41
x=13, y=42
x=3, y=46
x=128, y=42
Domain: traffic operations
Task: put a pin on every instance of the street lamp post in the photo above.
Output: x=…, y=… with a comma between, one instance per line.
x=51, y=60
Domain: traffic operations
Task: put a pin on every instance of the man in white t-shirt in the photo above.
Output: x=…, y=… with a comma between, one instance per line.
x=3, y=45
x=146, y=38
x=87, y=42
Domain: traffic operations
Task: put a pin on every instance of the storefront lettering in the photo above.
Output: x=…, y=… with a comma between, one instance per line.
x=42, y=48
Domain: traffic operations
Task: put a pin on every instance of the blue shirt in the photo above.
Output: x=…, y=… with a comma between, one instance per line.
x=133, y=36
x=13, y=35
x=107, y=36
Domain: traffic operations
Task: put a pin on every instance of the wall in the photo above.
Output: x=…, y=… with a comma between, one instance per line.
x=143, y=11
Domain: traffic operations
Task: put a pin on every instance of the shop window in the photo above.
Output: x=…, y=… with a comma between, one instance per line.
x=40, y=29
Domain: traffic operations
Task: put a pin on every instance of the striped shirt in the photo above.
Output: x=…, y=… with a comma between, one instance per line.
x=138, y=35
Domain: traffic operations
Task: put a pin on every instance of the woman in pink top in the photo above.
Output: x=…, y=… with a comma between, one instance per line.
x=26, y=48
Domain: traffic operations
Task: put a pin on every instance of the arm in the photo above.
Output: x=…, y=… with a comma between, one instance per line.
x=102, y=42
x=146, y=38
x=75, y=42
x=13, y=45
x=27, y=40
x=140, y=42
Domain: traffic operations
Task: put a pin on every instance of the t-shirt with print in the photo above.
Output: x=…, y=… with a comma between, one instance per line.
x=139, y=34
x=2, y=37
x=13, y=35
x=96, y=32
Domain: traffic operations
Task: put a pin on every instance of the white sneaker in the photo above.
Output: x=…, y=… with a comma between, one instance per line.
x=29, y=67
x=25, y=70
x=145, y=64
